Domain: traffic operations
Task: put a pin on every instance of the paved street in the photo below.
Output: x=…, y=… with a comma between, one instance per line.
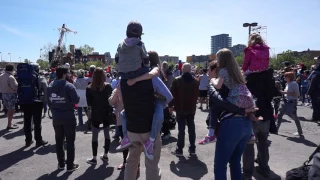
x=17, y=162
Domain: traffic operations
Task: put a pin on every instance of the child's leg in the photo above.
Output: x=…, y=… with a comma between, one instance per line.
x=124, y=122
x=157, y=121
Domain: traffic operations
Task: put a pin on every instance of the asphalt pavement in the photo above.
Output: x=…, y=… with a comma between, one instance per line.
x=17, y=162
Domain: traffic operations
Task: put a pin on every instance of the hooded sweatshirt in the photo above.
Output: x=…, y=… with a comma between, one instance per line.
x=256, y=58
x=62, y=97
x=131, y=54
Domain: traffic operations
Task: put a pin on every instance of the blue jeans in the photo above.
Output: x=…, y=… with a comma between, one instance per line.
x=232, y=139
x=304, y=91
x=80, y=115
x=157, y=120
x=134, y=74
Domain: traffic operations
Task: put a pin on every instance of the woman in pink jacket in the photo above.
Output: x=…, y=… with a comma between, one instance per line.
x=259, y=78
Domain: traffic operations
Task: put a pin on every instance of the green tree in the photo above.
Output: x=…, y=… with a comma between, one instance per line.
x=239, y=59
x=43, y=63
x=27, y=61
x=86, y=49
x=49, y=47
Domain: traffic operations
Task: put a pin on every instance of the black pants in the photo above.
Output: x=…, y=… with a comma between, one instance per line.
x=65, y=131
x=32, y=112
x=165, y=129
x=262, y=86
x=183, y=120
x=315, y=106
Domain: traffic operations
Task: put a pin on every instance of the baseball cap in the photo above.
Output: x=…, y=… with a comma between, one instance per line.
x=134, y=28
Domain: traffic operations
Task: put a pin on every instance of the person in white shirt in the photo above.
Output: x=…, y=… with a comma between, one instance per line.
x=203, y=88
x=176, y=72
x=108, y=79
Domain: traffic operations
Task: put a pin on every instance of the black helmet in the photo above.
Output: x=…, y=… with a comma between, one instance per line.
x=134, y=29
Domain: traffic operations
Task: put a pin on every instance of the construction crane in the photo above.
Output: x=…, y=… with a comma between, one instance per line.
x=57, y=54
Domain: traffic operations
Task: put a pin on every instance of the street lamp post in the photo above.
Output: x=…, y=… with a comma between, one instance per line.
x=10, y=56
x=250, y=25
x=40, y=53
x=1, y=56
x=20, y=59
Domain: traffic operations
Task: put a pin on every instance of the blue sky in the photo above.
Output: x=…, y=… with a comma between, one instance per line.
x=171, y=27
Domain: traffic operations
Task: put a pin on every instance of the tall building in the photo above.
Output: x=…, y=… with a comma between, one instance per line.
x=167, y=58
x=238, y=49
x=220, y=41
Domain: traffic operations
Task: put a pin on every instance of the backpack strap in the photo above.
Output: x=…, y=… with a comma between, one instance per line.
x=311, y=156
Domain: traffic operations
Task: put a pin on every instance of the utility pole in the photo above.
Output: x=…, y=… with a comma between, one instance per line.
x=250, y=25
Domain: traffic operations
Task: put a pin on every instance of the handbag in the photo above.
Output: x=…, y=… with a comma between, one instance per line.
x=301, y=173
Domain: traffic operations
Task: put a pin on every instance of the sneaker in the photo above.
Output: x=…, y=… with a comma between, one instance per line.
x=124, y=144
x=297, y=134
x=275, y=116
x=104, y=158
x=207, y=140
x=61, y=167
x=75, y=167
x=177, y=152
x=41, y=143
x=148, y=149
x=29, y=143
x=166, y=137
x=92, y=161
x=192, y=151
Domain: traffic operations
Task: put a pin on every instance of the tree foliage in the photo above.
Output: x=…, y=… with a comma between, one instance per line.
x=49, y=47
x=86, y=49
x=43, y=63
x=26, y=61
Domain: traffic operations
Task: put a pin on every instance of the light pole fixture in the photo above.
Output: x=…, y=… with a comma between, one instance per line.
x=10, y=56
x=250, y=25
x=40, y=53
x=20, y=59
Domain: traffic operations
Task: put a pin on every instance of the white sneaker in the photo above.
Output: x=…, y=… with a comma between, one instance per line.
x=297, y=134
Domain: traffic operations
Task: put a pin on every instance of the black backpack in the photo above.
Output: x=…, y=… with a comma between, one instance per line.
x=302, y=172
x=28, y=84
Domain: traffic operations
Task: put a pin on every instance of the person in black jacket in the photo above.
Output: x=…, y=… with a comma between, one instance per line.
x=98, y=93
x=314, y=93
x=62, y=97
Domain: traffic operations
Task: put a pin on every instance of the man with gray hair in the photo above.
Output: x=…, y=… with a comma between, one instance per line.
x=185, y=90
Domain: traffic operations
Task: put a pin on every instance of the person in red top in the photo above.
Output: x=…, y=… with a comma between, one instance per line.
x=89, y=76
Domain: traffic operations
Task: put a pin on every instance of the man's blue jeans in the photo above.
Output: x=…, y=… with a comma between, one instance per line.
x=232, y=139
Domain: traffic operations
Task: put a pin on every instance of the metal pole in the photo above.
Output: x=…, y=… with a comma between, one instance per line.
x=1, y=56
x=249, y=30
x=20, y=59
x=40, y=53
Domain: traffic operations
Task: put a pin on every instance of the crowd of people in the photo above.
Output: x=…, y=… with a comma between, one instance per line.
x=140, y=95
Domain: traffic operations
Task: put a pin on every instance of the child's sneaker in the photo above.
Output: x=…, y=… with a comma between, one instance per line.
x=148, y=149
x=124, y=144
x=275, y=116
x=207, y=140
